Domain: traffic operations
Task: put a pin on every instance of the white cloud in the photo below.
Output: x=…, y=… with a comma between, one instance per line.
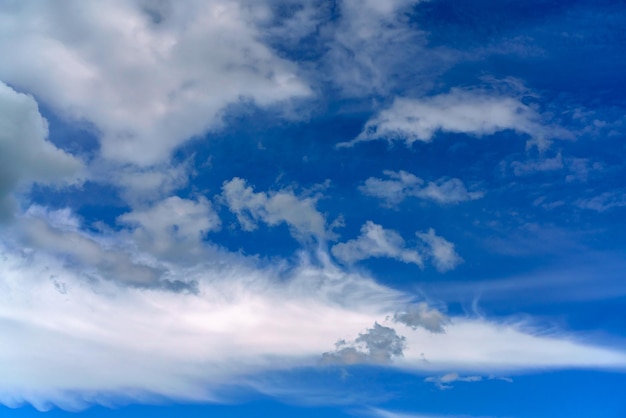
x=440, y=250
x=274, y=208
x=445, y=381
x=375, y=241
x=173, y=228
x=473, y=112
x=148, y=75
x=402, y=184
x=25, y=154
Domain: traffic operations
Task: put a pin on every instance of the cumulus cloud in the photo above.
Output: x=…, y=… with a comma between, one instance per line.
x=444, y=382
x=148, y=75
x=440, y=250
x=274, y=208
x=400, y=184
x=25, y=154
x=421, y=315
x=375, y=241
x=173, y=228
x=472, y=112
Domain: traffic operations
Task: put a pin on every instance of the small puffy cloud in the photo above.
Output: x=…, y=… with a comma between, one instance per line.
x=376, y=241
x=377, y=345
x=472, y=112
x=274, y=208
x=421, y=315
x=401, y=184
x=148, y=75
x=444, y=382
x=25, y=154
x=440, y=250
x=173, y=227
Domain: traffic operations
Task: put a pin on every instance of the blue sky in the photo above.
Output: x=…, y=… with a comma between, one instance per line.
x=398, y=209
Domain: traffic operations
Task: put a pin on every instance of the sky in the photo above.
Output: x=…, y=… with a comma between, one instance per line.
x=341, y=208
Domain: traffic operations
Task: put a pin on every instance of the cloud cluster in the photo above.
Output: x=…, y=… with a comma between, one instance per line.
x=376, y=241
x=401, y=184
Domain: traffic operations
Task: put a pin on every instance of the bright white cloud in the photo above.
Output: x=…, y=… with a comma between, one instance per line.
x=25, y=154
x=148, y=75
x=375, y=241
x=402, y=184
x=274, y=208
x=473, y=112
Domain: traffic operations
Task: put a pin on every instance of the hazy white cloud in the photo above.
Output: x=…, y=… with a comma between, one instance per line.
x=148, y=75
x=375, y=241
x=371, y=40
x=401, y=184
x=25, y=154
x=545, y=164
x=445, y=381
x=274, y=208
x=603, y=201
x=242, y=320
x=473, y=112
x=440, y=250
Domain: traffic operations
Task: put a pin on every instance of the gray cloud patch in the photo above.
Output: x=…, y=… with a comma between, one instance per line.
x=422, y=316
x=378, y=345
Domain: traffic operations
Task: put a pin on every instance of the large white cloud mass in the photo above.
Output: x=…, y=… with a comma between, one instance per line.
x=25, y=154
x=148, y=75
